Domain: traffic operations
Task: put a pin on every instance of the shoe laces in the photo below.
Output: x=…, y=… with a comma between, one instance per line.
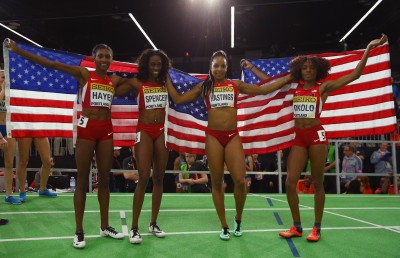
x=315, y=231
x=135, y=232
x=80, y=236
x=156, y=228
x=226, y=231
x=111, y=230
x=238, y=222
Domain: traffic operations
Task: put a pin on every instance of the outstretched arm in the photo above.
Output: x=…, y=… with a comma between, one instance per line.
x=188, y=96
x=248, y=65
x=125, y=85
x=80, y=73
x=257, y=90
x=344, y=80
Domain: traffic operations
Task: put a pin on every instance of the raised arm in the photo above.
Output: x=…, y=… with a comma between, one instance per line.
x=330, y=86
x=188, y=96
x=257, y=90
x=80, y=73
x=248, y=65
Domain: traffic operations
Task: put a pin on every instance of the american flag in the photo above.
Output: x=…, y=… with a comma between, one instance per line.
x=40, y=101
x=265, y=122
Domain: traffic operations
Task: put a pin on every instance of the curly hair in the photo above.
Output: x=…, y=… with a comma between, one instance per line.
x=101, y=46
x=207, y=86
x=322, y=65
x=143, y=63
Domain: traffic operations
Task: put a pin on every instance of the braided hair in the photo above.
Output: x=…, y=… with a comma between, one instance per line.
x=207, y=86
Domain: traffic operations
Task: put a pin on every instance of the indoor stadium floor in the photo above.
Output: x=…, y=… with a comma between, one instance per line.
x=353, y=226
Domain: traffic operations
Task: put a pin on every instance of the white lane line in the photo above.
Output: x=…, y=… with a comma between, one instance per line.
x=343, y=216
x=192, y=233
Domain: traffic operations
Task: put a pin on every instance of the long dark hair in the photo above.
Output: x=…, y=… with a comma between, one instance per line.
x=207, y=86
x=143, y=63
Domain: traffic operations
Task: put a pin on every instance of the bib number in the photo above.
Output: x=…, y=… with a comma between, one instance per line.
x=321, y=135
x=82, y=122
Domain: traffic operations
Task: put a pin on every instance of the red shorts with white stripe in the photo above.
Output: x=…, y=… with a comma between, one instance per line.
x=96, y=130
x=224, y=137
x=310, y=136
x=153, y=130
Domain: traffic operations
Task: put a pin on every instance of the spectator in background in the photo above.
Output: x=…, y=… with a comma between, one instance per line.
x=305, y=186
x=36, y=182
x=396, y=98
x=330, y=168
x=117, y=179
x=381, y=159
x=8, y=144
x=365, y=187
x=354, y=187
x=179, y=165
x=195, y=183
x=131, y=178
x=387, y=186
x=249, y=168
x=351, y=164
x=258, y=184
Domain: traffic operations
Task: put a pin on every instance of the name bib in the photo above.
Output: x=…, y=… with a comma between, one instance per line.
x=222, y=97
x=155, y=97
x=101, y=95
x=304, y=106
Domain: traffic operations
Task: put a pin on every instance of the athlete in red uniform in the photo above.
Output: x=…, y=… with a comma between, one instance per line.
x=310, y=140
x=97, y=90
x=150, y=148
x=222, y=140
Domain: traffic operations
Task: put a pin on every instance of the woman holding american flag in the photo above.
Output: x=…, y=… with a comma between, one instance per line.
x=310, y=141
x=223, y=144
x=94, y=130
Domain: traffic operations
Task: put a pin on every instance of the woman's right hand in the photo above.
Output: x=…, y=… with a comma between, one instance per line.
x=10, y=44
x=246, y=64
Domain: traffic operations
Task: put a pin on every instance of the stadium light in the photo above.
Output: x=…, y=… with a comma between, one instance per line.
x=144, y=33
x=363, y=18
x=232, y=26
x=28, y=39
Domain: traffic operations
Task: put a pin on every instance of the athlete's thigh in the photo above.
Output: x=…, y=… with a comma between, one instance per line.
x=160, y=156
x=24, y=145
x=144, y=148
x=215, y=157
x=43, y=147
x=235, y=159
x=297, y=160
x=104, y=155
x=84, y=151
x=9, y=152
x=318, y=154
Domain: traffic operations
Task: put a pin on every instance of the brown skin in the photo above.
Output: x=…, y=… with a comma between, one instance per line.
x=232, y=154
x=298, y=156
x=151, y=154
x=84, y=148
